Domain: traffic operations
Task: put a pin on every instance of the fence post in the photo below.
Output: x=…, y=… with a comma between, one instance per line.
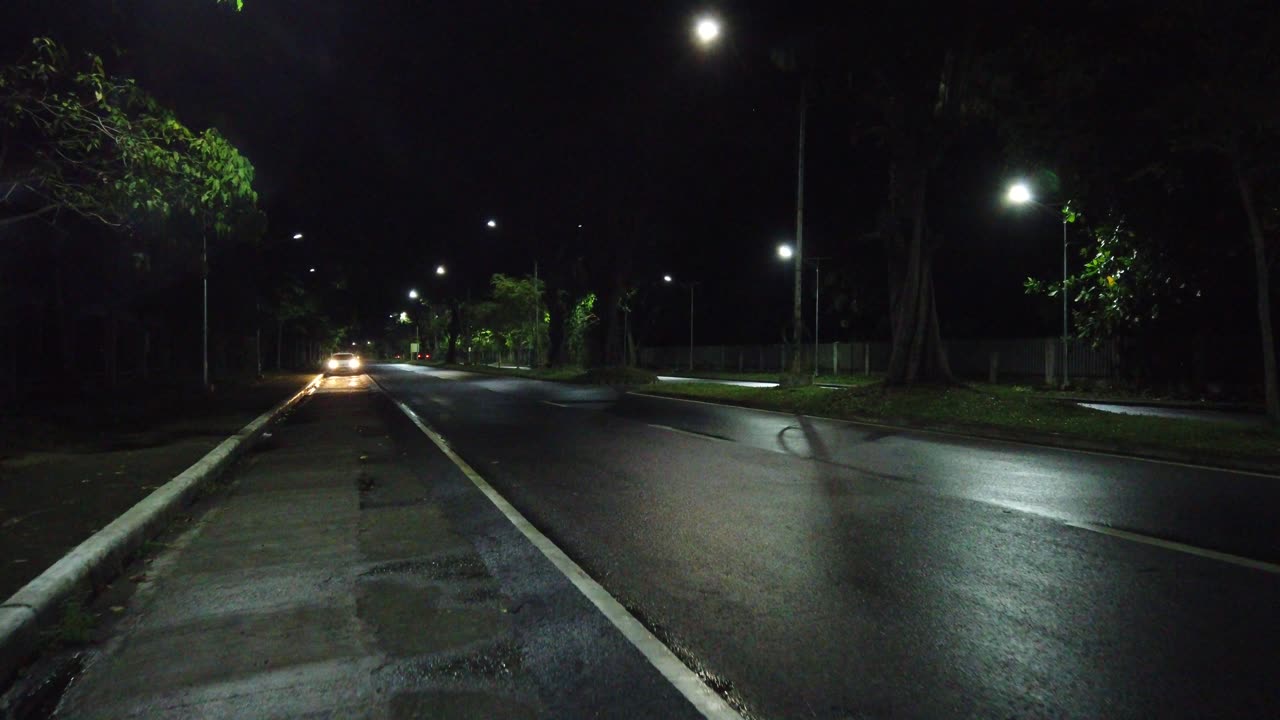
x=761, y=349
x=739, y=359
x=866, y=358
x=835, y=358
x=994, y=367
x=722, y=358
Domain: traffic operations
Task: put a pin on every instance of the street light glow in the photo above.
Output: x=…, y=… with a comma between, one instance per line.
x=707, y=29
x=413, y=294
x=1019, y=193
x=785, y=252
x=297, y=236
x=666, y=278
x=440, y=270
x=492, y=223
x=312, y=270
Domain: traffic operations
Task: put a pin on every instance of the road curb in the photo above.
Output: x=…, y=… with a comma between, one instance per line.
x=97, y=560
x=1138, y=452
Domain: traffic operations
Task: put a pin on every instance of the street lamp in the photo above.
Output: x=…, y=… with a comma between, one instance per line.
x=1020, y=194
x=440, y=270
x=690, y=285
x=707, y=30
x=413, y=294
x=297, y=236
x=785, y=252
x=492, y=223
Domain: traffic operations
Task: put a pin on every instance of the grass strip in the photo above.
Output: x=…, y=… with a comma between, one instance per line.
x=981, y=407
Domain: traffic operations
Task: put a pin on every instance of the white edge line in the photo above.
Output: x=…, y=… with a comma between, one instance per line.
x=1179, y=547
x=555, y=404
x=927, y=431
x=685, y=680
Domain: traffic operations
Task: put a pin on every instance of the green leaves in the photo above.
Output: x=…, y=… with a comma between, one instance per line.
x=1122, y=284
x=99, y=146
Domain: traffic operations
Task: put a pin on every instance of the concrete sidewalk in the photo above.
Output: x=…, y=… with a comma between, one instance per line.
x=352, y=572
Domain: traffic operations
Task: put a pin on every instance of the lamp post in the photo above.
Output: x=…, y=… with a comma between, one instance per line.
x=1020, y=194
x=707, y=32
x=787, y=253
x=690, y=285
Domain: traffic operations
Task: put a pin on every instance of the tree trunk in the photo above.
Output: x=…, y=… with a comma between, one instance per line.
x=144, y=364
x=1262, y=278
x=113, y=346
x=556, y=354
x=916, y=352
x=455, y=325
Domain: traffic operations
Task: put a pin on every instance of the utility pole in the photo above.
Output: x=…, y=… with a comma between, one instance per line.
x=691, y=326
x=798, y=318
x=204, y=291
x=1065, y=329
x=533, y=362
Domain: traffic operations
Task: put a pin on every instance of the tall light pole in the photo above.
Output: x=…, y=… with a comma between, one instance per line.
x=690, y=285
x=204, y=293
x=786, y=252
x=1020, y=194
x=707, y=32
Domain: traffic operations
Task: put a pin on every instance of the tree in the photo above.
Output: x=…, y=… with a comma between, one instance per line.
x=913, y=81
x=1123, y=285
x=1184, y=111
x=75, y=139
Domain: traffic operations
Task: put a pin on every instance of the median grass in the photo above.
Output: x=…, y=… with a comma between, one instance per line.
x=572, y=374
x=852, y=379
x=980, y=407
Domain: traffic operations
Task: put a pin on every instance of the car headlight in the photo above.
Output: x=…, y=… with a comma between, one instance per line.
x=333, y=364
x=355, y=363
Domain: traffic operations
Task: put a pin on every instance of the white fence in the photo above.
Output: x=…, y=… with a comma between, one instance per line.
x=1037, y=357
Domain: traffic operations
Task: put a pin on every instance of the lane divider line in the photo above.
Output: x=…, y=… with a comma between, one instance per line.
x=691, y=433
x=685, y=680
x=553, y=404
x=1179, y=547
x=965, y=436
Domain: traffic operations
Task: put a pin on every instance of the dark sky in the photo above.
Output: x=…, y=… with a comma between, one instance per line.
x=388, y=132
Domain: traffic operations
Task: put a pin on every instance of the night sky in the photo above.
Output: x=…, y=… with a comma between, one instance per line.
x=389, y=132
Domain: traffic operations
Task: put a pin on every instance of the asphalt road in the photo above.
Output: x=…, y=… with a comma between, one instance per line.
x=824, y=569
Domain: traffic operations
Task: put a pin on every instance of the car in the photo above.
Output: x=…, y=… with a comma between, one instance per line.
x=342, y=363
x=423, y=356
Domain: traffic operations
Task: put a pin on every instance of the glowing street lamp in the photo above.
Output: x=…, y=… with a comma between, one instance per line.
x=440, y=270
x=1020, y=194
x=413, y=294
x=785, y=252
x=707, y=30
x=690, y=285
x=492, y=223
x=297, y=236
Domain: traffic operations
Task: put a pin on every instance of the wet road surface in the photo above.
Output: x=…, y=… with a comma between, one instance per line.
x=822, y=569
x=352, y=571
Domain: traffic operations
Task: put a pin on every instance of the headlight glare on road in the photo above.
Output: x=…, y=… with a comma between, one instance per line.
x=355, y=363
x=333, y=364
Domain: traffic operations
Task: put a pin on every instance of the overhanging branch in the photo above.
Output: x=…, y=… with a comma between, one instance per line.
x=28, y=216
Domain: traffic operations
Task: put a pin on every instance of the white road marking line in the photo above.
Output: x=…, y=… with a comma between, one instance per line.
x=926, y=431
x=685, y=680
x=1179, y=547
x=690, y=433
x=554, y=404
